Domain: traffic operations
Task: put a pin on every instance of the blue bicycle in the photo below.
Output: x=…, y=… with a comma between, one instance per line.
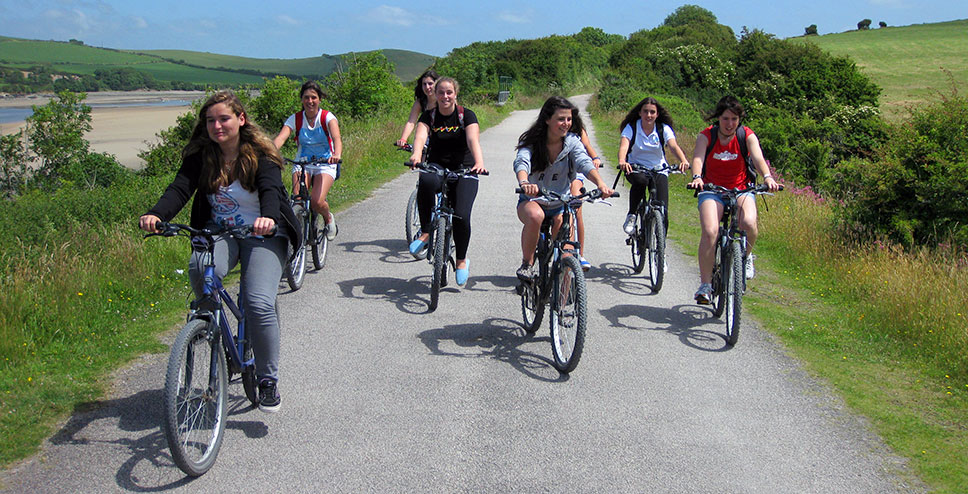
x=204, y=357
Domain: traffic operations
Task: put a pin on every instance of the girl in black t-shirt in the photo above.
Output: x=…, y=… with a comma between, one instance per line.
x=454, y=144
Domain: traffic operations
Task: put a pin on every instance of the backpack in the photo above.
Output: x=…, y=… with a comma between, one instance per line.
x=660, y=131
x=322, y=121
x=741, y=137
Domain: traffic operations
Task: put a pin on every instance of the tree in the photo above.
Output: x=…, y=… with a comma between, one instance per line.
x=366, y=86
x=864, y=24
x=56, y=133
x=690, y=14
x=14, y=171
x=882, y=24
x=810, y=30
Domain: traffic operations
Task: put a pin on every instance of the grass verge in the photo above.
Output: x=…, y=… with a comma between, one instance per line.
x=886, y=329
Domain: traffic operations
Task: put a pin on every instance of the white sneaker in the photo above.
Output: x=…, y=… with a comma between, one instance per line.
x=629, y=225
x=665, y=267
x=750, y=269
x=704, y=294
x=331, y=228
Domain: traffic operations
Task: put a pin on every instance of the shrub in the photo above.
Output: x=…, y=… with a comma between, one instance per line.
x=365, y=84
x=864, y=24
x=55, y=133
x=164, y=157
x=882, y=24
x=810, y=30
x=278, y=99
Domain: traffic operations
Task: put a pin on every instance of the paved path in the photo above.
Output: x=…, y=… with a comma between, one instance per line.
x=379, y=395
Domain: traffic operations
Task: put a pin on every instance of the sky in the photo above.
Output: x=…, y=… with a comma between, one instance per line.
x=287, y=29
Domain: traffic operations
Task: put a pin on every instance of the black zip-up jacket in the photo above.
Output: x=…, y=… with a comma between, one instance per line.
x=273, y=199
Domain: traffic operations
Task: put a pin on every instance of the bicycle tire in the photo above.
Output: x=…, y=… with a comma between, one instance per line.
x=717, y=282
x=195, y=404
x=568, y=315
x=655, y=237
x=638, y=243
x=440, y=263
x=413, y=223
x=296, y=270
x=318, y=242
x=734, y=293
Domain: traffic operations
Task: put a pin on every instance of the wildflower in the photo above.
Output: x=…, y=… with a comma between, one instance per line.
x=80, y=294
x=29, y=379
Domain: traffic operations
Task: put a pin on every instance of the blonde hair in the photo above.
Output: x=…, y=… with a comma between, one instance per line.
x=451, y=81
x=253, y=144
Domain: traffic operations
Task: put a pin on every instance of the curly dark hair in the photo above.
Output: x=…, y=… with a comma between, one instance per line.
x=418, y=93
x=663, y=117
x=730, y=103
x=536, y=137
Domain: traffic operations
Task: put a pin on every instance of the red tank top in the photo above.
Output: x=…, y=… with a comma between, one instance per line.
x=725, y=166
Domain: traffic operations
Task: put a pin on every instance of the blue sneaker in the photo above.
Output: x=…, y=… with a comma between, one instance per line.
x=585, y=265
x=417, y=246
x=461, y=274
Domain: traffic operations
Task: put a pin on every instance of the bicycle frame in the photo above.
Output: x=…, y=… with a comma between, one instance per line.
x=214, y=291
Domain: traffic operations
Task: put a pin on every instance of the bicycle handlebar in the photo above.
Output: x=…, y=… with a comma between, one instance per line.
x=589, y=196
x=168, y=229
x=435, y=168
x=405, y=147
x=312, y=163
x=757, y=189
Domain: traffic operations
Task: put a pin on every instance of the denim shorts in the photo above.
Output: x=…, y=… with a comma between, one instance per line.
x=549, y=211
x=715, y=196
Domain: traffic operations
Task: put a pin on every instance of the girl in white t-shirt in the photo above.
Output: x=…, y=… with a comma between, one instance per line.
x=317, y=137
x=646, y=118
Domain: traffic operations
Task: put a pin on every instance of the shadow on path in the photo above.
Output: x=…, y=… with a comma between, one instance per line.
x=682, y=321
x=495, y=338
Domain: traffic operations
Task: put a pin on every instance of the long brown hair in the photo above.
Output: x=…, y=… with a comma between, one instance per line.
x=253, y=144
x=662, y=116
x=536, y=137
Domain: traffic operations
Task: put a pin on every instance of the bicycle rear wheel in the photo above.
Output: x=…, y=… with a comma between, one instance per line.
x=296, y=270
x=568, y=315
x=639, y=244
x=734, y=292
x=655, y=240
x=413, y=223
x=437, y=279
x=196, y=390
x=318, y=242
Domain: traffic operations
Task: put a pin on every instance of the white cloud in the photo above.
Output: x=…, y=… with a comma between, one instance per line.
x=514, y=18
x=394, y=16
x=285, y=19
x=139, y=22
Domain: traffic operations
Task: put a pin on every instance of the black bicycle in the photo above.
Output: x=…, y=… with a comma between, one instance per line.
x=560, y=282
x=729, y=270
x=204, y=357
x=441, y=241
x=313, y=238
x=649, y=238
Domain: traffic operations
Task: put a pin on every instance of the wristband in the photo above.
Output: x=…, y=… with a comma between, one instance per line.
x=523, y=182
x=696, y=176
x=767, y=176
x=595, y=158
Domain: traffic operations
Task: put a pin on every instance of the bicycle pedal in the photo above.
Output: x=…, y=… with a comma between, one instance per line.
x=628, y=241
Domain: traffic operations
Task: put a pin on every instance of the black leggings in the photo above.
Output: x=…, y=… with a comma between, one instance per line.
x=640, y=183
x=461, y=194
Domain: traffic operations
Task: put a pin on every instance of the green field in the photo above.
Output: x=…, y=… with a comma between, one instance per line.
x=177, y=65
x=913, y=64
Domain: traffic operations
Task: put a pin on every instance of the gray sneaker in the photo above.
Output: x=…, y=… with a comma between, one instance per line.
x=331, y=229
x=269, y=395
x=629, y=225
x=704, y=294
x=750, y=269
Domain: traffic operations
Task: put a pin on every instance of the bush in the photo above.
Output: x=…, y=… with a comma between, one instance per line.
x=278, y=99
x=810, y=30
x=882, y=24
x=366, y=85
x=864, y=24
x=164, y=157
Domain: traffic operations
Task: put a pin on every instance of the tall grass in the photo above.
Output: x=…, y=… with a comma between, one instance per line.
x=888, y=329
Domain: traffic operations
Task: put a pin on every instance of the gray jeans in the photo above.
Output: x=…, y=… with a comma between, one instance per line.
x=262, y=263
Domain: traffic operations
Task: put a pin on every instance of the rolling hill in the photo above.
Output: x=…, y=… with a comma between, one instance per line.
x=188, y=66
x=913, y=64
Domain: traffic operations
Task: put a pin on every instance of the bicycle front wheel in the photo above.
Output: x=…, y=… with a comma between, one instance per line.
x=734, y=292
x=568, y=314
x=413, y=223
x=718, y=282
x=655, y=240
x=318, y=242
x=440, y=262
x=296, y=270
x=638, y=243
x=196, y=390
